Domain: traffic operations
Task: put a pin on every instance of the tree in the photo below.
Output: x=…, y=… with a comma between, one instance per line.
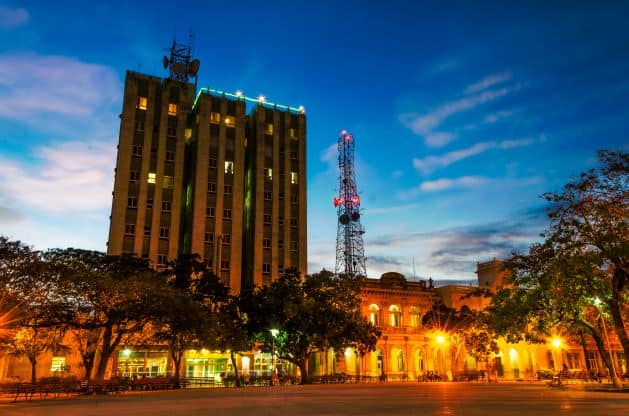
x=591, y=216
x=316, y=313
x=112, y=295
x=230, y=332
x=551, y=289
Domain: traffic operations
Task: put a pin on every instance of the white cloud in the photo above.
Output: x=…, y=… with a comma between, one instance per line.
x=445, y=183
x=431, y=163
x=39, y=85
x=427, y=124
x=498, y=115
x=12, y=18
x=329, y=153
x=73, y=177
x=487, y=82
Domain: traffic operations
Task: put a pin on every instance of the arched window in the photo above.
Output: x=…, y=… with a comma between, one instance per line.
x=374, y=313
x=414, y=317
x=396, y=315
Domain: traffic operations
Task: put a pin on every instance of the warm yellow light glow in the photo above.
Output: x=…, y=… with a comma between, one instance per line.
x=302, y=110
x=440, y=339
x=556, y=342
x=204, y=351
x=172, y=109
x=151, y=177
x=229, y=121
x=238, y=93
x=142, y=103
x=245, y=363
x=126, y=352
x=188, y=134
x=261, y=98
x=274, y=332
x=348, y=352
x=513, y=354
x=597, y=301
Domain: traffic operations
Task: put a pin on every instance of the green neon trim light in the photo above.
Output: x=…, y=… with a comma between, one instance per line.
x=242, y=97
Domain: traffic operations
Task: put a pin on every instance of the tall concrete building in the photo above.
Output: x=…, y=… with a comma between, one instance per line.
x=211, y=173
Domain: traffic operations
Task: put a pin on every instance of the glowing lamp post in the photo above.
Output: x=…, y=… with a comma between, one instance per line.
x=274, y=333
x=440, y=340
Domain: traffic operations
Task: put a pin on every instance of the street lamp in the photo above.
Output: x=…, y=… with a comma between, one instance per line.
x=274, y=333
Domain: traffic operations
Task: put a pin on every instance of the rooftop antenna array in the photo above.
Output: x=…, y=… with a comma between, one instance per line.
x=350, y=253
x=179, y=63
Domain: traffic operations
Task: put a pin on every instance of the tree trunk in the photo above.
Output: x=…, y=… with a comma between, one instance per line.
x=615, y=305
x=303, y=368
x=33, y=361
x=607, y=359
x=233, y=359
x=88, y=363
x=105, y=352
x=585, y=352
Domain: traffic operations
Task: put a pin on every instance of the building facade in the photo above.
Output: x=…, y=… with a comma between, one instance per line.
x=201, y=173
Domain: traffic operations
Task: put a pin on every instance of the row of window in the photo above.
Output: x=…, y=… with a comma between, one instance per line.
x=132, y=202
x=268, y=174
x=294, y=198
x=143, y=105
x=395, y=316
x=137, y=151
x=164, y=232
x=167, y=183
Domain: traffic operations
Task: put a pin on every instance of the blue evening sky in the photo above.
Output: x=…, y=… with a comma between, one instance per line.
x=463, y=112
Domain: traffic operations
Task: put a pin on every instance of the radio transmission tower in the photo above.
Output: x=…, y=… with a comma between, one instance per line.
x=350, y=254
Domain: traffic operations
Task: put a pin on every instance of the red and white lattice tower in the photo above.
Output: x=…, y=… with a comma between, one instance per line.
x=350, y=253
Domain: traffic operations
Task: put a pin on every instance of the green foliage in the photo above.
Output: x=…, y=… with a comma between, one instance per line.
x=316, y=313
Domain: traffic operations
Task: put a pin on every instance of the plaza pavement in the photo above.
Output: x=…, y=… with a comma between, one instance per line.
x=443, y=399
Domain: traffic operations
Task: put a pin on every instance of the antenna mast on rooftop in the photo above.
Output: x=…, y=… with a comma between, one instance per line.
x=180, y=65
x=350, y=253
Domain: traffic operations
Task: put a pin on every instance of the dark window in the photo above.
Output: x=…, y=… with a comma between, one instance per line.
x=163, y=232
x=266, y=243
x=209, y=238
x=170, y=156
x=132, y=202
x=268, y=195
x=227, y=189
x=209, y=212
x=267, y=218
x=134, y=176
x=227, y=239
x=137, y=151
x=266, y=268
x=211, y=187
x=166, y=206
x=227, y=214
x=129, y=229
x=212, y=163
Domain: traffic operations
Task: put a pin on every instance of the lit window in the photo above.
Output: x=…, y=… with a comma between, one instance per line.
x=267, y=218
x=268, y=173
x=212, y=163
x=227, y=239
x=163, y=232
x=134, y=176
x=209, y=212
x=414, y=317
x=224, y=264
x=268, y=129
x=170, y=156
x=294, y=199
x=266, y=268
x=396, y=315
x=142, y=103
x=229, y=167
x=166, y=206
x=187, y=133
x=230, y=121
x=227, y=214
x=58, y=364
x=161, y=259
x=132, y=202
x=215, y=118
x=293, y=222
x=293, y=178
x=172, y=109
x=293, y=246
x=280, y=244
x=129, y=229
x=268, y=195
x=137, y=151
x=168, y=182
x=227, y=189
x=139, y=125
x=374, y=314
x=151, y=177
x=209, y=238
x=211, y=187
x=266, y=243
